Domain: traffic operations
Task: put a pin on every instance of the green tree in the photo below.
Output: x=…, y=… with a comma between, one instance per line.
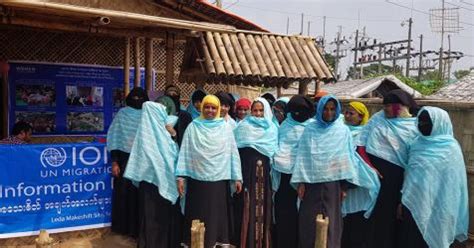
x=461, y=73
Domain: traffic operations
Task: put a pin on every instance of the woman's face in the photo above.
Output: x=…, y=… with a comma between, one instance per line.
x=210, y=111
x=242, y=112
x=257, y=109
x=329, y=112
x=352, y=117
x=391, y=110
x=224, y=110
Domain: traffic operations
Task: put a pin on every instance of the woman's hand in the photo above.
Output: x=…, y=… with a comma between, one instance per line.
x=171, y=130
x=300, y=190
x=115, y=169
x=180, y=183
x=238, y=187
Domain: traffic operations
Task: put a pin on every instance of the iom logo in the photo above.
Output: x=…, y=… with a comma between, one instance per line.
x=53, y=157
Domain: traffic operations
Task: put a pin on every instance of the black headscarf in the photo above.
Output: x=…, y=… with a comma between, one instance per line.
x=226, y=99
x=401, y=97
x=174, y=93
x=270, y=98
x=198, y=95
x=136, y=98
x=301, y=108
x=280, y=110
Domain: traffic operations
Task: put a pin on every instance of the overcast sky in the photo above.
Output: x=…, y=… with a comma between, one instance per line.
x=380, y=18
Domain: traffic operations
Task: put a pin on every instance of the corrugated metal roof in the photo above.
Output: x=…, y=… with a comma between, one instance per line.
x=252, y=58
x=463, y=90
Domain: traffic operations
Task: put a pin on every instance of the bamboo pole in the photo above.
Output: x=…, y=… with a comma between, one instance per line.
x=240, y=55
x=322, y=225
x=148, y=64
x=281, y=58
x=266, y=57
x=126, y=67
x=136, y=82
x=218, y=64
x=295, y=57
x=249, y=55
x=273, y=57
x=312, y=59
x=303, y=87
x=223, y=54
x=207, y=57
x=233, y=57
x=302, y=56
x=256, y=53
x=288, y=57
x=320, y=59
x=169, y=74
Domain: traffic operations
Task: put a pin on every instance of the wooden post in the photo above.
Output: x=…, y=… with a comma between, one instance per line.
x=169, y=59
x=43, y=240
x=278, y=91
x=198, y=231
x=321, y=231
x=136, y=82
x=303, y=88
x=148, y=64
x=126, y=67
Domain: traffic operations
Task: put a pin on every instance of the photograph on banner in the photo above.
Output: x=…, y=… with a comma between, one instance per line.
x=85, y=121
x=43, y=95
x=42, y=122
x=84, y=96
x=118, y=97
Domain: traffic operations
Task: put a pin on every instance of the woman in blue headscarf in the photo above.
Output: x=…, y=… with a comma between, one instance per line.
x=324, y=162
x=194, y=106
x=280, y=110
x=386, y=139
x=286, y=214
x=208, y=163
x=151, y=167
x=257, y=140
x=434, y=194
x=120, y=138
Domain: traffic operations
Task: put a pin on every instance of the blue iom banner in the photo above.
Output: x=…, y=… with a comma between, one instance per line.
x=58, y=187
x=66, y=98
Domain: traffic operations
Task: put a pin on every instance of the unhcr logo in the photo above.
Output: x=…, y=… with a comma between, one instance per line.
x=53, y=157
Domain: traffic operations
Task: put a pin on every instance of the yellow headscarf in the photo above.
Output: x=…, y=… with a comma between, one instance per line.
x=211, y=99
x=361, y=109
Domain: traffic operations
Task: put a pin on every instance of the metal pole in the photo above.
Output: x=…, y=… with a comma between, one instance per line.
x=379, y=69
x=420, y=63
x=442, y=40
x=449, y=57
x=410, y=22
x=309, y=27
x=324, y=31
x=338, y=42
x=356, y=49
x=287, y=24
x=302, y=23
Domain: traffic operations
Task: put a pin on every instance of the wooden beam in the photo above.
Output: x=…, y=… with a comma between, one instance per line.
x=303, y=88
x=148, y=64
x=126, y=67
x=169, y=59
x=136, y=82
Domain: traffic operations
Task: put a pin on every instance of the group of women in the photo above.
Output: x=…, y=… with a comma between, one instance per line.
x=257, y=173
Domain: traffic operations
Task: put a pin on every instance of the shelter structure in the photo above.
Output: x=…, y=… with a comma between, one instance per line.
x=460, y=91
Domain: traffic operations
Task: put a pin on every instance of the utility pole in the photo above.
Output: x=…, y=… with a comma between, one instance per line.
x=338, y=44
x=324, y=31
x=302, y=23
x=356, y=50
x=379, y=69
x=449, y=57
x=420, y=64
x=287, y=25
x=442, y=40
x=410, y=22
x=309, y=27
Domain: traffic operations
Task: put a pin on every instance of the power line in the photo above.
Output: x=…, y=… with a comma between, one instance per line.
x=461, y=7
x=421, y=11
x=464, y=2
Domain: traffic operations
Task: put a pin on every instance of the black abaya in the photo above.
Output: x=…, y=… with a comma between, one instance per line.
x=410, y=236
x=286, y=214
x=383, y=221
x=253, y=206
x=355, y=233
x=124, y=200
x=325, y=199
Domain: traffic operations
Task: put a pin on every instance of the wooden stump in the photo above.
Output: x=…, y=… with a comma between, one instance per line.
x=43, y=240
x=322, y=225
x=197, y=234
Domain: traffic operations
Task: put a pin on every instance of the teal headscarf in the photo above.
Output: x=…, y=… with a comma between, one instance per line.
x=258, y=133
x=435, y=185
x=209, y=152
x=325, y=151
x=121, y=133
x=388, y=138
x=154, y=153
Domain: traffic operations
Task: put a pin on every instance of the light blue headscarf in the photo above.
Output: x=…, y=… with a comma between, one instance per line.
x=257, y=132
x=285, y=157
x=209, y=152
x=325, y=151
x=154, y=153
x=191, y=109
x=355, y=131
x=122, y=131
x=435, y=185
x=388, y=138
